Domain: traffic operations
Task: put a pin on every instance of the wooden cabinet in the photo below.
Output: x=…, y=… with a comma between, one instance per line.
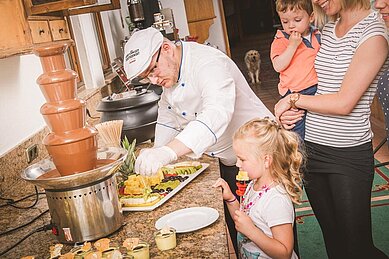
x=21, y=28
x=15, y=36
x=18, y=33
x=59, y=30
x=34, y=7
x=48, y=29
x=40, y=31
x=200, y=15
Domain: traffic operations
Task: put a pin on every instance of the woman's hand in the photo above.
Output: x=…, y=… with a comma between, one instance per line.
x=243, y=223
x=226, y=190
x=289, y=118
x=282, y=106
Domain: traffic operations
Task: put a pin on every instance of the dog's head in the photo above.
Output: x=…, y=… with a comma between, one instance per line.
x=252, y=56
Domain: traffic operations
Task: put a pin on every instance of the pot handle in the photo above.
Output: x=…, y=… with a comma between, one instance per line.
x=89, y=114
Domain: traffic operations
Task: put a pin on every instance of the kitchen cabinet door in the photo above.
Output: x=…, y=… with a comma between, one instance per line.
x=15, y=36
x=59, y=30
x=200, y=15
x=40, y=31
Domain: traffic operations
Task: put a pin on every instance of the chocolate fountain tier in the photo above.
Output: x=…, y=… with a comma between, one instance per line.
x=52, y=56
x=65, y=115
x=71, y=143
x=58, y=85
x=73, y=151
x=44, y=173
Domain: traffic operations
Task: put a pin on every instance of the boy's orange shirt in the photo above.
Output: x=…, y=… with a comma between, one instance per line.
x=301, y=73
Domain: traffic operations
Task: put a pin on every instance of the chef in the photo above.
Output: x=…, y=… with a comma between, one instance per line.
x=205, y=99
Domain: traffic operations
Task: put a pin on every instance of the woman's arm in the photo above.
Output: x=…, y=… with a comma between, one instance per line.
x=365, y=65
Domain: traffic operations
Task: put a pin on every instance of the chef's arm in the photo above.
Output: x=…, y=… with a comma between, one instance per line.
x=217, y=92
x=179, y=148
x=166, y=128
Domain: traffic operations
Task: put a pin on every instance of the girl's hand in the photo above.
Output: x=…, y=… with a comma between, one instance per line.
x=226, y=190
x=243, y=223
x=289, y=118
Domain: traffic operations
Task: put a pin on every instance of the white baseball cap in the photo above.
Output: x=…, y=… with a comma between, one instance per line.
x=139, y=50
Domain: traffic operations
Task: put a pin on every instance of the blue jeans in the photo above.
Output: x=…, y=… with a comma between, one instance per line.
x=299, y=128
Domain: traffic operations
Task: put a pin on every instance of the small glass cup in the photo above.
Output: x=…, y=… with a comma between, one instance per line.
x=165, y=238
x=140, y=251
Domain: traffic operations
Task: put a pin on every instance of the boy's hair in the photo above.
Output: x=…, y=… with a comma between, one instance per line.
x=285, y=5
x=266, y=137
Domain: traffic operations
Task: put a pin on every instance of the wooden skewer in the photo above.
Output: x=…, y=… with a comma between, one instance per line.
x=110, y=132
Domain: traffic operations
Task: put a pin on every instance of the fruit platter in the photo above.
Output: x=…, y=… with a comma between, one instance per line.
x=145, y=193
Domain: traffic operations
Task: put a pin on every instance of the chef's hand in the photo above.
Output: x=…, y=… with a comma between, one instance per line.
x=151, y=159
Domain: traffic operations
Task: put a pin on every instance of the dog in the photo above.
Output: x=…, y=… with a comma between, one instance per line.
x=252, y=59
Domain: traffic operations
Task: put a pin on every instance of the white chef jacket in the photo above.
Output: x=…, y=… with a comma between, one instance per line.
x=210, y=101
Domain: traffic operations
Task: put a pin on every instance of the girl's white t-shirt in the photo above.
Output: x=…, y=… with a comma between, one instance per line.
x=273, y=208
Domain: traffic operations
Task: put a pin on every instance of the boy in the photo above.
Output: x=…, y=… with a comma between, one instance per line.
x=293, y=51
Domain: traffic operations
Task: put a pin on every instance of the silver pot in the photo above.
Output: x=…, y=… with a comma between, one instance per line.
x=87, y=213
x=84, y=206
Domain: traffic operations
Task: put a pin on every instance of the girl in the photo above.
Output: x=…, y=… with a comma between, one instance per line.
x=264, y=219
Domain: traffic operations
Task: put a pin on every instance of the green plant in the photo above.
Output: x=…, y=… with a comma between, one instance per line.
x=127, y=168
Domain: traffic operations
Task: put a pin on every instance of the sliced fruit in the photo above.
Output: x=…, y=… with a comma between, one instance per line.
x=242, y=176
x=169, y=184
x=180, y=170
x=140, y=201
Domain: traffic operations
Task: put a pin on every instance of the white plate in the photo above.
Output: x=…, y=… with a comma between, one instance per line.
x=171, y=194
x=189, y=219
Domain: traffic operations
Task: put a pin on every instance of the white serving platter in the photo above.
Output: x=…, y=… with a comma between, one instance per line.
x=188, y=219
x=171, y=194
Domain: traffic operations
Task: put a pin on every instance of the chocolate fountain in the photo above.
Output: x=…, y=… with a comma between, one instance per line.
x=79, y=179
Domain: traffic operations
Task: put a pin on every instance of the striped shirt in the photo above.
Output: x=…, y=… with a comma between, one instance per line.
x=331, y=64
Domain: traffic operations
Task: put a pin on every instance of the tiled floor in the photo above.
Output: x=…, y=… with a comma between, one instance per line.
x=268, y=93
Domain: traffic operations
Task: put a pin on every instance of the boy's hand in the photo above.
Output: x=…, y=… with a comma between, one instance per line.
x=226, y=190
x=295, y=39
x=289, y=118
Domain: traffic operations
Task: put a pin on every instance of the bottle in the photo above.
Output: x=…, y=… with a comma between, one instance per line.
x=136, y=10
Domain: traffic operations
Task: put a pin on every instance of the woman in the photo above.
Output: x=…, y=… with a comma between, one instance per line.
x=340, y=165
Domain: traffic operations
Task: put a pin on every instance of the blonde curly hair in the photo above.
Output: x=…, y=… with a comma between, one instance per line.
x=266, y=137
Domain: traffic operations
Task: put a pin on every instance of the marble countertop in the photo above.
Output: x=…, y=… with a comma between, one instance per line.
x=208, y=242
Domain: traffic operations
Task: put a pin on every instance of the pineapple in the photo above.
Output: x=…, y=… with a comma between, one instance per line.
x=127, y=168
